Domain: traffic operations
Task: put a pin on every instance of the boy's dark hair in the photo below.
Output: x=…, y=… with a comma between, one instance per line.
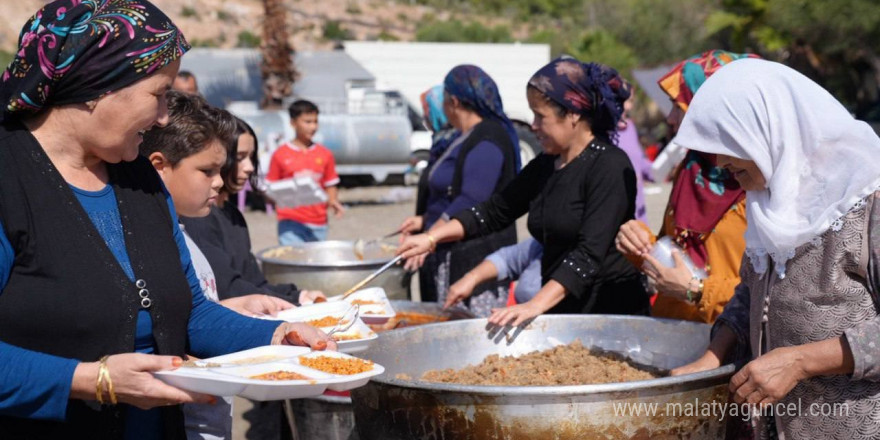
x=301, y=107
x=185, y=74
x=189, y=129
x=226, y=125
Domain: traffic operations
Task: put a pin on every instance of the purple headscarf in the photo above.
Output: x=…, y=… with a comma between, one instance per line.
x=590, y=89
x=73, y=51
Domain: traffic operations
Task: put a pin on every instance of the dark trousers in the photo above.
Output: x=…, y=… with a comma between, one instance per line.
x=267, y=421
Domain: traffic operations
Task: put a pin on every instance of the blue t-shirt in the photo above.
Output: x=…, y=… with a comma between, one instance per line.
x=37, y=385
x=522, y=262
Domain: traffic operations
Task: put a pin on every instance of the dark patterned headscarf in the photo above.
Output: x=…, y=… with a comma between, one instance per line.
x=589, y=89
x=73, y=51
x=476, y=89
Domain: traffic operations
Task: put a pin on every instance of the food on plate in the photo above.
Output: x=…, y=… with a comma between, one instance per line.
x=191, y=363
x=327, y=321
x=408, y=319
x=280, y=375
x=336, y=365
x=245, y=361
x=257, y=359
x=571, y=364
x=342, y=337
x=365, y=302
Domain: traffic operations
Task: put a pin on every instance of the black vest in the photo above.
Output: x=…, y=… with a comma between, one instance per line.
x=467, y=254
x=67, y=295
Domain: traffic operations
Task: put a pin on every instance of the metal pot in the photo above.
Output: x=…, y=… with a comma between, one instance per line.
x=426, y=309
x=331, y=267
x=330, y=417
x=403, y=407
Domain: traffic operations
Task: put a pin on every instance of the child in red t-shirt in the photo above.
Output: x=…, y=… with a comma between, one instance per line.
x=302, y=157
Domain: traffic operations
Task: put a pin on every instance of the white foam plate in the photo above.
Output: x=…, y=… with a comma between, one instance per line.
x=257, y=389
x=261, y=355
x=336, y=309
x=236, y=380
x=200, y=380
x=313, y=311
x=355, y=345
x=370, y=313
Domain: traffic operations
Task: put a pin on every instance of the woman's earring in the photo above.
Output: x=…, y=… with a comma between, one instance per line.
x=91, y=104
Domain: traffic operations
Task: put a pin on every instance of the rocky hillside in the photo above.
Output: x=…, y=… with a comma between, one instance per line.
x=230, y=23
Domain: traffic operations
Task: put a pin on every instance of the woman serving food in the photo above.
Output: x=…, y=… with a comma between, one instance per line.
x=98, y=288
x=577, y=195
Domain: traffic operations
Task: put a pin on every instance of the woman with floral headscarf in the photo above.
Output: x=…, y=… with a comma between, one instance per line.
x=482, y=158
x=98, y=289
x=808, y=302
x=577, y=194
x=705, y=215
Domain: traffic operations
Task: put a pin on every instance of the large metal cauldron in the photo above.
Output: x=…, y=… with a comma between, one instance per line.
x=330, y=417
x=331, y=267
x=395, y=407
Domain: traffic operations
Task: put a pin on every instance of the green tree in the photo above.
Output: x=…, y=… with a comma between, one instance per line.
x=456, y=31
x=247, y=39
x=743, y=25
x=333, y=30
x=658, y=31
x=601, y=47
x=837, y=43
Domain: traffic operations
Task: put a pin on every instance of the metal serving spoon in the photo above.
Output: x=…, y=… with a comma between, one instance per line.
x=360, y=244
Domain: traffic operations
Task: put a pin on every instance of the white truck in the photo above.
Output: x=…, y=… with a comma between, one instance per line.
x=411, y=68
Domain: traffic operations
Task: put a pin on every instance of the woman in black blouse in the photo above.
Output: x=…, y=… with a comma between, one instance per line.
x=577, y=195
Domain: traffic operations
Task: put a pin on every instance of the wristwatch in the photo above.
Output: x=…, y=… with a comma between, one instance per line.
x=694, y=296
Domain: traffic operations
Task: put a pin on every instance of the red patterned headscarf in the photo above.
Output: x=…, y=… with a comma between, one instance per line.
x=73, y=51
x=702, y=192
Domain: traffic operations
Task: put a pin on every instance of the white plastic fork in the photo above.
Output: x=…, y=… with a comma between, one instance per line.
x=347, y=320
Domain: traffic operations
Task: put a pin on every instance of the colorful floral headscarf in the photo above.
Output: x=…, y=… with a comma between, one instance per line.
x=702, y=192
x=432, y=105
x=74, y=51
x=685, y=78
x=589, y=89
x=474, y=87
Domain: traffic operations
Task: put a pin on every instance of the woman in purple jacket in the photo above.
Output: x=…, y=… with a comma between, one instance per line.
x=482, y=159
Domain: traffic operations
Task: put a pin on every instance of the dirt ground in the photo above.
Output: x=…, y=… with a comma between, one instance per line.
x=374, y=211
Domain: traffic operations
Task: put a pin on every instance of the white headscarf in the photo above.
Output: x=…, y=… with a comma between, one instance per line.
x=819, y=162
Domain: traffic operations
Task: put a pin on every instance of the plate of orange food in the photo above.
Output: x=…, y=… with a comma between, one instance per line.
x=273, y=373
x=328, y=314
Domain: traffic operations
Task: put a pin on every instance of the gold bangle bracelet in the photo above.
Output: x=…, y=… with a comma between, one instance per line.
x=433, y=242
x=104, y=379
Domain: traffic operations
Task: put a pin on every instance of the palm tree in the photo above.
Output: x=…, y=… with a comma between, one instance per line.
x=277, y=65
